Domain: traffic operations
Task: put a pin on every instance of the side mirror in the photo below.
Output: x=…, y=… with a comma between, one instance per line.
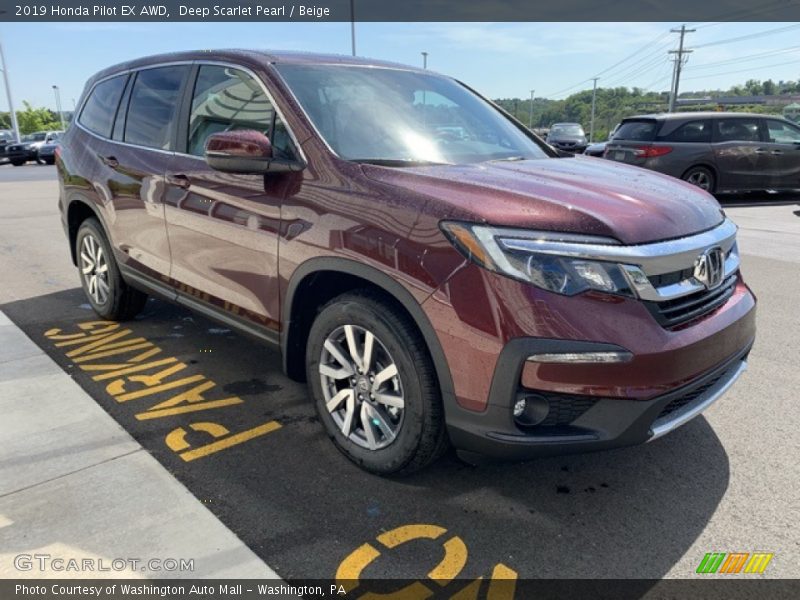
x=245, y=151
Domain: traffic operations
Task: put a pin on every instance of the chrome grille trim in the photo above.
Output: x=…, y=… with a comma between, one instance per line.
x=654, y=258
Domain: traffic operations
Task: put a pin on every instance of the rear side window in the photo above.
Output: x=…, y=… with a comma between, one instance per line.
x=737, y=130
x=101, y=106
x=153, y=105
x=691, y=131
x=636, y=131
x=782, y=133
x=228, y=99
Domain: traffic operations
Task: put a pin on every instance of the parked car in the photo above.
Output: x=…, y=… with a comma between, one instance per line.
x=717, y=152
x=6, y=137
x=480, y=290
x=598, y=149
x=28, y=146
x=567, y=136
x=47, y=151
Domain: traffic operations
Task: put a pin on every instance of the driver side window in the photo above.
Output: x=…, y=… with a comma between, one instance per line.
x=227, y=99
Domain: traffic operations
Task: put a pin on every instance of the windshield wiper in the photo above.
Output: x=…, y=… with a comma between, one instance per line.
x=397, y=162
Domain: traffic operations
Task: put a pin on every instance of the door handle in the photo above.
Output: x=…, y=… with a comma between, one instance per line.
x=110, y=161
x=179, y=180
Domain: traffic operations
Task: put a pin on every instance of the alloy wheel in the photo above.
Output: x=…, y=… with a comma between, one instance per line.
x=700, y=179
x=94, y=269
x=361, y=387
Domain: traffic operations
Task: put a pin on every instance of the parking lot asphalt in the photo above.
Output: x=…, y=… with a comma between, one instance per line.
x=245, y=440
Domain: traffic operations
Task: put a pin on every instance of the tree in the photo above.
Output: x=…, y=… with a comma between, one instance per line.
x=769, y=87
x=36, y=119
x=5, y=120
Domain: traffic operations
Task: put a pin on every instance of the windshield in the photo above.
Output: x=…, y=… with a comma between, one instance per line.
x=34, y=137
x=393, y=117
x=575, y=130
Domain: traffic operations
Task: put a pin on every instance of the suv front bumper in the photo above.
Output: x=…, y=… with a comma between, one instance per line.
x=607, y=423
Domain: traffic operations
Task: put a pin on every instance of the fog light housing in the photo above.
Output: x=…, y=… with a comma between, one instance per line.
x=519, y=407
x=530, y=409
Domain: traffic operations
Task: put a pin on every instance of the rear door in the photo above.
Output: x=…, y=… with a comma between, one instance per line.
x=630, y=138
x=685, y=144
x=784, y=154
x=740, y=153
x=224, y=227
x=143, y=141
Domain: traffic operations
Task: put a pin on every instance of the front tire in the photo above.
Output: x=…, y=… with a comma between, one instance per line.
x=702, y=177
x=374, y=385
x=17, y=163
x=107, y=292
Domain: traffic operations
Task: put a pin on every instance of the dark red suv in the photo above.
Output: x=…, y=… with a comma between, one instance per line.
x=435, y=272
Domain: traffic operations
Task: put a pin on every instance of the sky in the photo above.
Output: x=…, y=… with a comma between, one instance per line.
x=501, y=60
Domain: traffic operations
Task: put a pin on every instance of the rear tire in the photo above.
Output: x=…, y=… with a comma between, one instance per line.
x=50, y=161
x=702, y=177
x=107, y=292
x=17, y=163
x=385, y=412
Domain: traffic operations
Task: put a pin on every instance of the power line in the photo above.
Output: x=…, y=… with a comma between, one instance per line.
x=618, y=63
x=748, y=36
x=746, y=58
x=708, y=75
x=629, y=75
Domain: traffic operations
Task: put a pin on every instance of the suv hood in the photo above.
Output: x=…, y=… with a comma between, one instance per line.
x=578, y=195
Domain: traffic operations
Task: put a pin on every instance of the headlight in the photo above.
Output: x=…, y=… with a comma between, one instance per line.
x=549, y=260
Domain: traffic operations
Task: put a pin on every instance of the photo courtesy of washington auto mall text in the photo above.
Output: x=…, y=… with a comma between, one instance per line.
x=409, y=300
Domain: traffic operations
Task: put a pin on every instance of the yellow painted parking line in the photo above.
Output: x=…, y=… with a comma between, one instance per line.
x=115, y=388
x=350, y=568
x=455, y=558
x=501, y=585
x=119, y=369
x=233, y=440
x=139, y=377
x=403, y=534
x=179, y=410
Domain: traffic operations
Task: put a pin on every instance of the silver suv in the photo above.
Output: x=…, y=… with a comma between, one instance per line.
x=719, y=152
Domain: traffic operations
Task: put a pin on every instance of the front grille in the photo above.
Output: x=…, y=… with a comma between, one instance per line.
x=677, y=312
x=689, y=396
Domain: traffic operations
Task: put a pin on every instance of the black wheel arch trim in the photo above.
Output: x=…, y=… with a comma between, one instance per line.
x=92, y=206
x=389, y=285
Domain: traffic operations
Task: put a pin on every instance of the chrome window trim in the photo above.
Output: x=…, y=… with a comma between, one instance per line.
x=198, y=62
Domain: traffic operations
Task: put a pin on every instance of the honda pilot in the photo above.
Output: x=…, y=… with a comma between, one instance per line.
x=435, y=272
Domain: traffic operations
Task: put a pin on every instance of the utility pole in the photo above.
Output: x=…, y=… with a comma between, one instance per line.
x=353, y=26
x=679, y=62
x=594, y=97
x=3, y=67
x=58, y=107
x=530, y=112
x=424, y=60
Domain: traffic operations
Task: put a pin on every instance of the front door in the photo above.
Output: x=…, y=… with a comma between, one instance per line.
x=740, y=154
x=223, y=228
x=784, y=154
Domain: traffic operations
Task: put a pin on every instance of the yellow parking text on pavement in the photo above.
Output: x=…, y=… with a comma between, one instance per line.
x=501, y=586
x=176, y=439
x=132, y=370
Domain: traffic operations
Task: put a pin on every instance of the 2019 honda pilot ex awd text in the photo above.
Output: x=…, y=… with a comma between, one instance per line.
x=431, y=289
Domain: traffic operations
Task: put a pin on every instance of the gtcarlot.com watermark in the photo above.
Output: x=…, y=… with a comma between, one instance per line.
x=48, y=562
